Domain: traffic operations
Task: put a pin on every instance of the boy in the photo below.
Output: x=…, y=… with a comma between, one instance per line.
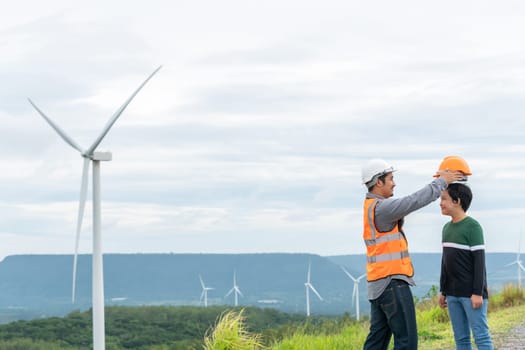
x=463, y=282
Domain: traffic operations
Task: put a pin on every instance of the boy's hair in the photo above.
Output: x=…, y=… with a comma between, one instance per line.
x=461, y=192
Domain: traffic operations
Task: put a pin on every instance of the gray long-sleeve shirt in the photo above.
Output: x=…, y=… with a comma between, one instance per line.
x=389, y=211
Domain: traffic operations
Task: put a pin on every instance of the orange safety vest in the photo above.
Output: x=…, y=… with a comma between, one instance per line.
x=386, y=252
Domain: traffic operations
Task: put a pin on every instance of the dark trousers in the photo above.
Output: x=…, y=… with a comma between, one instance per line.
x=393, y=313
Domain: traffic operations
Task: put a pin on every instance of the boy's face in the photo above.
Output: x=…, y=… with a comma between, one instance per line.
x=447, y=204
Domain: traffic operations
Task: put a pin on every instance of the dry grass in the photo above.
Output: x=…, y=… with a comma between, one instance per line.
x=230, y=334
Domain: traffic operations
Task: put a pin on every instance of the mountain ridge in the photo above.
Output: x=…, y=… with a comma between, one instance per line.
x=42, y=283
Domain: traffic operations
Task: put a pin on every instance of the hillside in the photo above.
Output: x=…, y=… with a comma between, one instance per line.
x=38, y=285
x=43, y=282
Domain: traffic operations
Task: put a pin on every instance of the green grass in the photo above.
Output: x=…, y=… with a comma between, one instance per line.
x=346, y=339
x=506, y=310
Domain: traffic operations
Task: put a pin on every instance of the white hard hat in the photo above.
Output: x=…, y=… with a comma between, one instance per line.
x=373, y=169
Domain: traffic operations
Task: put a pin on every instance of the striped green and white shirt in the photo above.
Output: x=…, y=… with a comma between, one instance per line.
x=463, y=271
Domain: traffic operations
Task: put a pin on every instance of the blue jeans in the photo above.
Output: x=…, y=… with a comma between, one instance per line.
x=393, y=313
x=464, y=318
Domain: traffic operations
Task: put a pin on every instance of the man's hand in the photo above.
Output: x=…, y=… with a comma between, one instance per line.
x=442, y=300
x=477, y=301
x=450, y=176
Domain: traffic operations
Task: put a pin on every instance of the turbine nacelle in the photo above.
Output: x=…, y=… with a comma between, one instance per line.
x=102, y=156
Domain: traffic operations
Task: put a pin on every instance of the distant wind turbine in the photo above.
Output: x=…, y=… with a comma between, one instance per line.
x=235, y=290
x=309, y=286
x=204, y=294
x=355, y=292
x=518, y=263
x=90, y=155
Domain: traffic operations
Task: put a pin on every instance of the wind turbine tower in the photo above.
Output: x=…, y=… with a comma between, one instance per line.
x=90, y=155
x=235, y=290
x=204, y=294
x=308, y=285
x=355, y=291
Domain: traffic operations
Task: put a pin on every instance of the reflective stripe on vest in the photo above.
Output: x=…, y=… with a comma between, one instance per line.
x=387, y=256
x=383, y=239
x=387, y=252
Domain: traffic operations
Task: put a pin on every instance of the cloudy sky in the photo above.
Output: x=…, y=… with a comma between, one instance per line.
x=252, y=135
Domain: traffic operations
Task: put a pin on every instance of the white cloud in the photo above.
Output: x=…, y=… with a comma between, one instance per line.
x=252, y=135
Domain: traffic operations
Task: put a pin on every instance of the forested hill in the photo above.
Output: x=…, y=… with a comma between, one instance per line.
x=32, y=281
x=42, y=283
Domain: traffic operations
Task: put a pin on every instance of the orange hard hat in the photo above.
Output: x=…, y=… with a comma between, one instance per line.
x=454, y=163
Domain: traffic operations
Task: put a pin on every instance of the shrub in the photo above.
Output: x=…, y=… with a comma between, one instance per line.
x=511, y=295
x=433, y=315
x=230, y=334
x=429, y=300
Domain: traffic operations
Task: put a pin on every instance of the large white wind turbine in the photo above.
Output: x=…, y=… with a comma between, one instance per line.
x=204, y=294
x=355, y=291
x=235, y=289
x=518, y=263
x=90, y=155
x=309, y=286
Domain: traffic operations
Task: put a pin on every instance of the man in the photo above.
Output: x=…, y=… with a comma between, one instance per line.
x=389, y=268
x=463, y=282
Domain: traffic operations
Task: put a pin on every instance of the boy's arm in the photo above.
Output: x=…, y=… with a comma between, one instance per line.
x=479, y=272
x=442, y=276
x=442, y=300
x=478, y=255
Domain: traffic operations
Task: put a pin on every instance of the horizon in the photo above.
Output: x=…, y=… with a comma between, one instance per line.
x=224, y=253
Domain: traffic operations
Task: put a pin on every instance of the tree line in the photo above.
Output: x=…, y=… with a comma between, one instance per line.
x=147, y=327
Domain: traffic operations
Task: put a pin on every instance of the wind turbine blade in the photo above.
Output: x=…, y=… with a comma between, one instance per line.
x=360, y=277
x=308, y=277
x=348, y=273
x=512, y=263
x=239, y=291
x=202, y=282
x=117, y=114
x=230, y=292
x=313, y=289
x=521, y=265
x=81, y=206
x=202, y=296
x=60, y=132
